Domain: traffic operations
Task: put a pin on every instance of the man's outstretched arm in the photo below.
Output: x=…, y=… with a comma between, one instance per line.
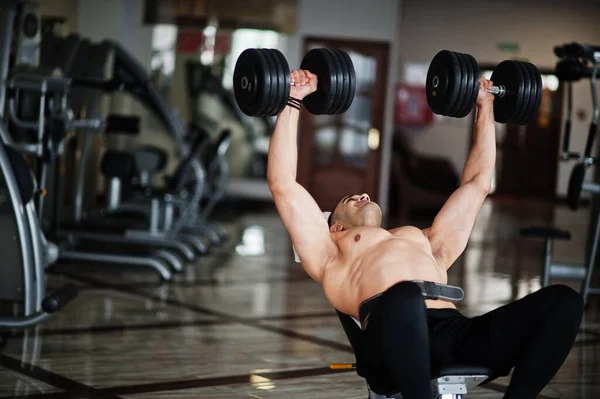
x=299, y=212
x=451, y=229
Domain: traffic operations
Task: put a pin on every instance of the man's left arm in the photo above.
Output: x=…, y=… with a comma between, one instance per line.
x=451, y=228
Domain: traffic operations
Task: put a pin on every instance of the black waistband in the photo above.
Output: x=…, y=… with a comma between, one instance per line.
x=429, y=289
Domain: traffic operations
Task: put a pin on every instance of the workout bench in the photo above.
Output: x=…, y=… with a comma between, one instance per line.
x=453, y=382
x=553, y=269
x=578, y=272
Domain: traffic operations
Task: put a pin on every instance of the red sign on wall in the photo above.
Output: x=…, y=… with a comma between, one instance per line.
x=411, y=106
x=191, y=42
x=222, y=43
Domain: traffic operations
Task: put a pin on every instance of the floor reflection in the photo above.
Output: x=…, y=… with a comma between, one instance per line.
x=246, y=321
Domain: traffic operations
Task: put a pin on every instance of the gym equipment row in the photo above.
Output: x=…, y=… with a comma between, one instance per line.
x=52, y=101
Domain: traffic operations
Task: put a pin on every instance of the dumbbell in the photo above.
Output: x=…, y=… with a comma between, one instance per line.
x=261, y=81
x=453, y=85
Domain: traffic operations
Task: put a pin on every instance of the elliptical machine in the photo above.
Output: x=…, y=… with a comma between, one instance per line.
x=26, y=252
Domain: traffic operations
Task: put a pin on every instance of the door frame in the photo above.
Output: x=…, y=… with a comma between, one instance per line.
x=381, y=50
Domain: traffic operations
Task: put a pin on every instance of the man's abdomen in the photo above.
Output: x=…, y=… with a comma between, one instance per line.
x=379, y=268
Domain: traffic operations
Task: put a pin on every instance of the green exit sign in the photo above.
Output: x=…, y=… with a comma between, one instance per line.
x=509, y=47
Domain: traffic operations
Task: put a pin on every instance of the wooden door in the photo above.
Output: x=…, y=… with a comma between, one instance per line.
x=339, y=155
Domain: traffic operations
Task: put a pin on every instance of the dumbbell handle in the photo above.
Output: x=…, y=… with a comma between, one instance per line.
x=500, y=91
x=245, y=82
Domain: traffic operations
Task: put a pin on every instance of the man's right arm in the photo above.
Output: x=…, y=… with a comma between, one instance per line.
x=451, y=228
x=299, y=212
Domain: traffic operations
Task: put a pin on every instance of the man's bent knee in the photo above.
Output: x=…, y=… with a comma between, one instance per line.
x=568, y=302
x=565, y=295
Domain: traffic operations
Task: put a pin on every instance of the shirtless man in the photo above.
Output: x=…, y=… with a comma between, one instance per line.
x=405, y=337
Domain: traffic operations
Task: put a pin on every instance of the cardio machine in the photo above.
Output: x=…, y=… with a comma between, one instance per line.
x=39, y=105
x=25, y=250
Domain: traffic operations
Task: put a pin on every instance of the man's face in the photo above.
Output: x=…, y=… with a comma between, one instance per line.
x=356, y=210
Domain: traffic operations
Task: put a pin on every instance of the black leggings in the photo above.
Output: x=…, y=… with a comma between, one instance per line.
x=533, y=335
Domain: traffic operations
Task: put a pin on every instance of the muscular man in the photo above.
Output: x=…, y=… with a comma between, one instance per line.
x=404, y=336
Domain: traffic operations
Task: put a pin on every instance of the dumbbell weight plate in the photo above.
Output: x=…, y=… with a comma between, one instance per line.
x=344, y=86
x=540, y=88
x=469, y=81
x=536, y=92
x=527, y=95
x=337, y=82
x=437, y=82
x=284, y=74
x=283, y=80
x=442, y=83
x=510, y=76
x=351, y=81
x=466, y=82
x=268, y=86
x=575, y=186
x=538, y=85
x=456, y=67
x=533, y=101
x=462, y=86
x=317, y=61
x=473, y=90
x=251, y=81
x=273, y=90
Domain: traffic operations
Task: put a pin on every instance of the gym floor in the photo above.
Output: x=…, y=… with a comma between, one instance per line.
x=247, y=321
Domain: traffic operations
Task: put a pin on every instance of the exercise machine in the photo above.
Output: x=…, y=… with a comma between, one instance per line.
x=25, y=249
x=128, y=75
x=576, y=61
x=53, y=119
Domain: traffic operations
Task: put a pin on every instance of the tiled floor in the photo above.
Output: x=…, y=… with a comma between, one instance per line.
x=246, y=321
